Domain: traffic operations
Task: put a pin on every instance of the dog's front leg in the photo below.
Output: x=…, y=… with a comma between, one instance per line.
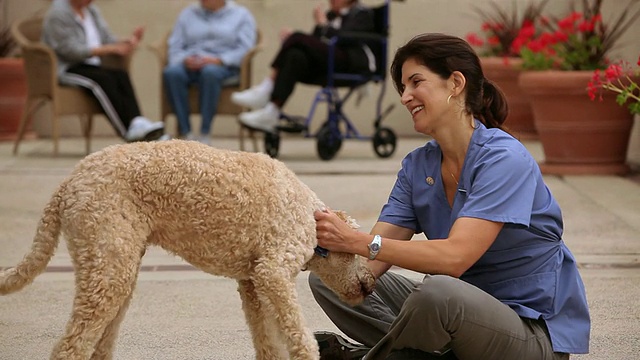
x=258, y=320
x=274, y=283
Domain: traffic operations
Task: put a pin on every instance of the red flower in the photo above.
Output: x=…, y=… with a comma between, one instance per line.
x=592, y=90
x=500, y=28
x=493, y=40
x=620, y=79
x=560, y=36
x=586, y=26
x=474, y=40
x=613, y=72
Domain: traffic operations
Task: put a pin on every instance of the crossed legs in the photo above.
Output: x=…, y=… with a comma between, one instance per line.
x=438, y=313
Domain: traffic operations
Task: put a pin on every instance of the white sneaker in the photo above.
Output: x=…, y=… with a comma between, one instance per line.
x=265, y=119
x=205, y=139
x=191, y=137
x=142, y=129
x=255, y=97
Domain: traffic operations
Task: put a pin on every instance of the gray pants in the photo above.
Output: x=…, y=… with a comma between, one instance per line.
x=434, y=315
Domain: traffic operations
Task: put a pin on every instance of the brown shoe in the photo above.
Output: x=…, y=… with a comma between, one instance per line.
x=335, y=347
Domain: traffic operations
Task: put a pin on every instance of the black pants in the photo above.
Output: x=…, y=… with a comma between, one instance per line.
x=303, y=58
x=113, y=90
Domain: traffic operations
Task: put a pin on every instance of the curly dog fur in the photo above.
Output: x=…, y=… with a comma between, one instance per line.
x=240, y=215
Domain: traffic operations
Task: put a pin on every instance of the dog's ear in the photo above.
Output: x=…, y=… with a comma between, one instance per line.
x=346, y=218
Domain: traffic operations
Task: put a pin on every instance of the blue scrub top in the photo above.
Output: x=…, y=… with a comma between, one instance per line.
x=528, y=267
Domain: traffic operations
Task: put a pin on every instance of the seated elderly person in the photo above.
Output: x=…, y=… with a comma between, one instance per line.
x=79, y=35
x=304, y=57
x=206, y=47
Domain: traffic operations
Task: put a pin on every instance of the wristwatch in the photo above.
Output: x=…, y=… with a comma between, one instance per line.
x=374, y=247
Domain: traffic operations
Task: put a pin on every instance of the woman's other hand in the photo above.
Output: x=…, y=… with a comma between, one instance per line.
x=319, y=15
x=285, y=33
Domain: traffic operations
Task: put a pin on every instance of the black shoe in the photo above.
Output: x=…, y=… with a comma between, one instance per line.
x=412, y=354
x=335, y=347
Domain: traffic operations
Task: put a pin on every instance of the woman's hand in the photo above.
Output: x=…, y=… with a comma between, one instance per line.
x=136, y=37
x=319, y=15
x=333, y=233
x=285, y=33
x=122, y=48
x=138, y=33
x=195, y=62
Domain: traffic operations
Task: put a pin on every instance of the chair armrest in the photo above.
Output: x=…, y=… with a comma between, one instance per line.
x=245, y=66
x=160, y=49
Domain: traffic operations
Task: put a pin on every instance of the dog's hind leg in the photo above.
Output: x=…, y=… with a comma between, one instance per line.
x=104, y=349
x=276, y=284
x=106, y=265
x=256, y=315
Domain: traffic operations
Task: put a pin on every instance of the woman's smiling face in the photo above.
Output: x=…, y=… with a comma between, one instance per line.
x=424, y=94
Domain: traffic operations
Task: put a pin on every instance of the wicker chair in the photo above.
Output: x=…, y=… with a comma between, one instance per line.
x=43, y=88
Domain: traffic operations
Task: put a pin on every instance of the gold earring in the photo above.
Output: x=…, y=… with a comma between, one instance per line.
x=449, y=98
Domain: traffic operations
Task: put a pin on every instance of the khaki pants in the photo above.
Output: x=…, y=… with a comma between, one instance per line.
x=435, y=315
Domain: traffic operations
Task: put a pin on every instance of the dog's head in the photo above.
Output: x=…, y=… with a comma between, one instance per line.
x=347, y=275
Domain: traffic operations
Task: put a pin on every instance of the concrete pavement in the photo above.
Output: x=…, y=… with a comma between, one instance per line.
x=179, y=313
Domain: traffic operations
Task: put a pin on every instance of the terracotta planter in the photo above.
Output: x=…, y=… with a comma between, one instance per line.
x=505, y=73
x=578, y=136
x=13, y=95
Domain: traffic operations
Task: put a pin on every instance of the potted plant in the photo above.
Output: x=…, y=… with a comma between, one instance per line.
x=500, y=59
x=561, y=61
x=621, y=79
x=13, y=85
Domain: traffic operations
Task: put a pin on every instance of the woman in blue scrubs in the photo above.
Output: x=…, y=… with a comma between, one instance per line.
x=500, y=283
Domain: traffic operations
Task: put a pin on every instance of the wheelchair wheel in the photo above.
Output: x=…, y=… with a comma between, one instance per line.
x=271, y=144
x=384, y=142
x=329, y=142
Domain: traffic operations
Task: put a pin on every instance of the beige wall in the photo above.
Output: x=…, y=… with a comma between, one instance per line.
x=407, y=19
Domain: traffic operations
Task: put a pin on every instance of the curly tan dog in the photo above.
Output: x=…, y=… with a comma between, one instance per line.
x=235, y=214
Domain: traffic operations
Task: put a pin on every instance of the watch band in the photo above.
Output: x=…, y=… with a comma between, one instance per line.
x=374, y=246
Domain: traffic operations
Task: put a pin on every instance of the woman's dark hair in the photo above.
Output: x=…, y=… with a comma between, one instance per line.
x=444, y=54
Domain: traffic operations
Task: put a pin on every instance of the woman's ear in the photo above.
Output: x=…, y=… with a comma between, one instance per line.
x=458, y=81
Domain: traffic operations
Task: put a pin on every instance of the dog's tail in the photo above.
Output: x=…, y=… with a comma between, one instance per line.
x=42, y=250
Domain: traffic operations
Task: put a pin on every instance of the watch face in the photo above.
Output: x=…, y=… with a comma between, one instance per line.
x=374, y=247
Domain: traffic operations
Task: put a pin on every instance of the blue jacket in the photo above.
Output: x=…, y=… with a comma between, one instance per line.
x=227, y=34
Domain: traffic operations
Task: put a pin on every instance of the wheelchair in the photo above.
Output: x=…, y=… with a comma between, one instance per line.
x=338, y=126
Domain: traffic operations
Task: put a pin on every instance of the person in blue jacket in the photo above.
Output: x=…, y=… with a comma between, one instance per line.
x=500, y=283
x=206, y=48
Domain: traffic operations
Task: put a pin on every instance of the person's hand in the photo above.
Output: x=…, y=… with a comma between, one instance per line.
x=122, y=48
x=319, y=15
x=136, y=37
x=196, y=62
x=206, y=60
x=285, y=33
x=332, y=233
x=138, y=33
x=193, y=62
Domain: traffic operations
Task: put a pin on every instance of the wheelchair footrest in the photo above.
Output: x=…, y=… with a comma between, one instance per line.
x=292, y=125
